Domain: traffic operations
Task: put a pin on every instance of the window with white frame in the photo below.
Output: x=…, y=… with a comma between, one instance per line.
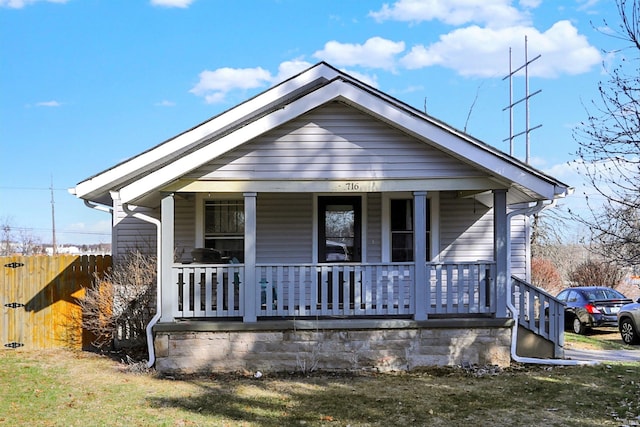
x=402, y=230
x=224, y=228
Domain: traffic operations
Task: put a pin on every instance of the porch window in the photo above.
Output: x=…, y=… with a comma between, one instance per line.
x=224, y=228
x=402, y=230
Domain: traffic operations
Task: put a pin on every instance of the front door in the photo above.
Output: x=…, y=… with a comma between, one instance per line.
x=339, y=229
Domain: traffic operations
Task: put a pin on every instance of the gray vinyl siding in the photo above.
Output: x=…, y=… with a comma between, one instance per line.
x=374, y=227
x=185, y=226
x=334, y=142
x=466, y=229
x=520, y=255
x=284, y=228
x=131, y=234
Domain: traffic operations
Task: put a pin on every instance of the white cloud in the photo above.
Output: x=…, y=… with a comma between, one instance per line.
x=48, y=104
x=376, y=52
x=530, y=4
x=290, y=68
x=19, y=4
x=172, y=3
x=371, y=80
x=215, y=85
x=483, y=52
x=165, y=103
x=494, y=13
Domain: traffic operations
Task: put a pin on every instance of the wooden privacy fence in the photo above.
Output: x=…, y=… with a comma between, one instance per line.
x=38, y=297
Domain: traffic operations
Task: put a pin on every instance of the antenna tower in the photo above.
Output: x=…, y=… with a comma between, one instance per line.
x=512, y=104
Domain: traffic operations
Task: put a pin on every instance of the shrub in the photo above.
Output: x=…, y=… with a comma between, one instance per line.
x=118, y=307
x=545, y=275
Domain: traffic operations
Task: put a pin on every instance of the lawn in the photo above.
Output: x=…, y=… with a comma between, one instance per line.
x=61, y=388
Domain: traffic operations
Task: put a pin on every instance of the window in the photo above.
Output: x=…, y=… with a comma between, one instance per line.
x=402, y=230
x=224, y=228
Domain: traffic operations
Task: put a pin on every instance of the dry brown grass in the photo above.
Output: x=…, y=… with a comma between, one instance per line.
x=60, y=388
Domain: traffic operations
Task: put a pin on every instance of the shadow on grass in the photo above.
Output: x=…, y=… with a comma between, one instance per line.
x=277, y=402
x=536, y=396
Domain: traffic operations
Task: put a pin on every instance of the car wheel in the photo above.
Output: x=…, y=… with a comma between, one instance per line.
x=578, y=326
x=628, y=333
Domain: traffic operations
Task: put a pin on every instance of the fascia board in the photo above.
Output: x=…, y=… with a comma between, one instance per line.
x=119, y=174
x=226, y=143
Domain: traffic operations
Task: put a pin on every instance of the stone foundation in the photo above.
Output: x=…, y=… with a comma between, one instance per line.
x=330, y=345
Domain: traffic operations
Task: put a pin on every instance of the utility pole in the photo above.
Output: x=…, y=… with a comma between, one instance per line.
x=53, y=220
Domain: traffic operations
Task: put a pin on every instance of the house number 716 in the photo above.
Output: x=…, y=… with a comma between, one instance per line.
x=352, y=186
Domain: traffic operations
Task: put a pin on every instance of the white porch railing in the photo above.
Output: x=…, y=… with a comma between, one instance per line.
x=206, y=290
x=461, y=288
x=539, y=312
x=379, y=289
x=336, y=289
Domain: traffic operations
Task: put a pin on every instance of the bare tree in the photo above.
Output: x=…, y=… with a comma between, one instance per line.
x=593, y=273
x=14, y=240
x=6, y=239
x=609, y=149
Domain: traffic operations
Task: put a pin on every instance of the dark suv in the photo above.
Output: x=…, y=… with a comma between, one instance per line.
x=591, y=306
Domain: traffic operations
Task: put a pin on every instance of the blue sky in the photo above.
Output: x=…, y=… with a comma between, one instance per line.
x=85, y=84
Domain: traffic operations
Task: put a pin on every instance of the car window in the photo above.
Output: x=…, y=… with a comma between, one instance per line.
x=573, y=296
x=607, y=294
x=562, y=296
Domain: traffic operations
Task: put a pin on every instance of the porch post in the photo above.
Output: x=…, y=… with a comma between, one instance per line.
x=420, y=254
x=250, y=284
x=169, y=290
x=500, y=250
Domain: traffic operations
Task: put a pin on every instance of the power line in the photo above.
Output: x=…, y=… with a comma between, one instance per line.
x=48, y=230
x=33, y=188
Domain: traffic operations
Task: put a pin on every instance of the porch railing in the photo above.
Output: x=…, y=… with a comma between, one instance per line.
x=539, y=312
x=206, y=290
x=299, y=290
x=461, y=288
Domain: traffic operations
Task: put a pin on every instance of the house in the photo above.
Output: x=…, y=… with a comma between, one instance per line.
x=250, y=209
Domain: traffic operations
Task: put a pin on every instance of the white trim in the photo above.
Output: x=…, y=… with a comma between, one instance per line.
x=434, y=228
x=201, y=198
x=334, y=186
x=199, y=225
x=314, y=230
x=364, y=215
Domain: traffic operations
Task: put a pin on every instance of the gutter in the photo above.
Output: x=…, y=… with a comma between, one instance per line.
x=531, y=210
x=156, y=318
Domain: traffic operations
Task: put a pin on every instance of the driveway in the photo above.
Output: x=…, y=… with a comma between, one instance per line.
x=602, y=355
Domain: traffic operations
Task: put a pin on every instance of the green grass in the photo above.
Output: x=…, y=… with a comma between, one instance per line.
x=599, y=339
x=59, y=388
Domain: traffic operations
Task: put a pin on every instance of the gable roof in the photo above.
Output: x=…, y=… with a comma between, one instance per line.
x=158, y=167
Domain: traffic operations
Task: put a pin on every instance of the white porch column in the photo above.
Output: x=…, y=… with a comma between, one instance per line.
x=169, y=290
x=501, y=250
x=250, y=285
x=420, y=254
